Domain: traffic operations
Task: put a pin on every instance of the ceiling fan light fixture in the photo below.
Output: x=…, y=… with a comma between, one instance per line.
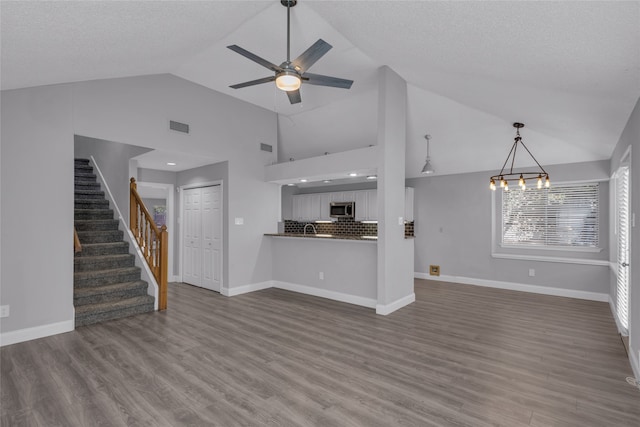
x=288, y=81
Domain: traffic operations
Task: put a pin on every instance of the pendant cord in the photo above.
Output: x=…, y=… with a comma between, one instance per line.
x=288, y=31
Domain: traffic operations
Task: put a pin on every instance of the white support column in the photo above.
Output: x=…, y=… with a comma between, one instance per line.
x=395, y=253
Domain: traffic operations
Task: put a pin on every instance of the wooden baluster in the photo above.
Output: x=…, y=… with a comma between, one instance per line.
x=164, y=260
x=133, y=206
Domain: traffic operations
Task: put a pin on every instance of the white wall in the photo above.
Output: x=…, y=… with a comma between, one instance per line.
x=37, y=213
x=38, y=127
x=631, y=138
x=453, y=230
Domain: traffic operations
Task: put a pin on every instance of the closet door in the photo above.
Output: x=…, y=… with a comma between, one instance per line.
x=192, y=258
x=202, y=242
x=211, y=238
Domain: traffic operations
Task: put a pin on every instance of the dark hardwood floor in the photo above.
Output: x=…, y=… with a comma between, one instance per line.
x=459, y=356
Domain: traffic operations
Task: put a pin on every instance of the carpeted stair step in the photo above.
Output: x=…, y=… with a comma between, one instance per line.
x=88, y=194
x=82, y=169
x=96, y=225
x=92, y=214
x=109, y=293
x=84, y=177
x=94, y=313
x=86, y=185
x=105, y=277
x=97, y=249
x=80, y=161
x=102, y=262
x=100, y=236
x=91, y=204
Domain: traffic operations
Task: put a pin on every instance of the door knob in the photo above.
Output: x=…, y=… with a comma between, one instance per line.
x=625, y=264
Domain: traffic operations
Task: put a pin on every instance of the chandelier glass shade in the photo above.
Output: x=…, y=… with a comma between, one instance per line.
x=541, y=177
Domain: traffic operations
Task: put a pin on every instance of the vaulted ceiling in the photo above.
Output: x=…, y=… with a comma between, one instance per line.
x=569, y=70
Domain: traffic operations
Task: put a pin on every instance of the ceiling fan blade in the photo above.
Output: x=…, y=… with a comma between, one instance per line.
x=320, y=80
x=254, y=82
x=311, y=55
x=294, y=96
x=254, y=58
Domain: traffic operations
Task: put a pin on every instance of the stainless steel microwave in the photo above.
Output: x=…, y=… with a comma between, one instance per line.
x=342, y=209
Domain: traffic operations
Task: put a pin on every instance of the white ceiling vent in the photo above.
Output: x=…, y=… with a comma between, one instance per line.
x=178, y=127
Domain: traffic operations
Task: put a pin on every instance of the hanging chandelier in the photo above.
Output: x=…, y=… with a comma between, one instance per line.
x=503, y=177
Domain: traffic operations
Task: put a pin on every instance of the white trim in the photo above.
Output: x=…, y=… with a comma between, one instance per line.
x=28, y=334
x=614, y=312
x=635, y=364
x=147, y=275
x=384, y=310
x=536, y=289
x=613, y=266
x=324, y=293
x=552, y=248
x=239, y=290
x=542, y=258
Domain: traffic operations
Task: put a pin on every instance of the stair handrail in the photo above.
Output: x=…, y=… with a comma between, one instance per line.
x=77, y=246
x=153, y=241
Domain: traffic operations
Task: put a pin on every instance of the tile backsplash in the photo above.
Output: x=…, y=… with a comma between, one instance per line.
x=342, y=227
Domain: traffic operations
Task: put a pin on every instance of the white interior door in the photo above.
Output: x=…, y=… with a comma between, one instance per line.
x=202, y=259
x=622, y=231
x=192, y=228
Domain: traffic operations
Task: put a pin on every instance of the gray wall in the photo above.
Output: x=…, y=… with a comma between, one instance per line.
x=631, y=137
x=37, y=209
x=453, y=230
x=113, y=160
x=38, y=128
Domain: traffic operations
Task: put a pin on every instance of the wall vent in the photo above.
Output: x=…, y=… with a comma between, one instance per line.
x=266, y=147
x=178, y=127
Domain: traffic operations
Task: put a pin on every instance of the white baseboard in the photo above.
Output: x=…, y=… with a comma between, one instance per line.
x=324, y=293
x=231, y=292
x=28, y=334
x=396, y=305
x=545, y=290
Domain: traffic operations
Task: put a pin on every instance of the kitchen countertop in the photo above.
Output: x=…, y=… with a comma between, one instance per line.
x=324, y=236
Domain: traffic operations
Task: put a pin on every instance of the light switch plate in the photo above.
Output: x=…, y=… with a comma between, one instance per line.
x=4, y=311
x=239, y=221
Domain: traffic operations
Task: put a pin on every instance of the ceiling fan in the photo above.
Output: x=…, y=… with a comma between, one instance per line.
x=290, y=74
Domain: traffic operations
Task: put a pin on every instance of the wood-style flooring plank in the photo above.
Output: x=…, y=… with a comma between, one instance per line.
x=459, y=356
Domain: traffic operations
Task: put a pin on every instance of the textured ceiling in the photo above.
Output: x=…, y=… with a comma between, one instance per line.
x=569, y=70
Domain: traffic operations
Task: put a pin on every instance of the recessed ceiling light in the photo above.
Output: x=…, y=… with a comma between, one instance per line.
x=303, y=180
x=372, y=177
x=290, y=185
x=353, y=174
x=171, y=164
x=326, y=181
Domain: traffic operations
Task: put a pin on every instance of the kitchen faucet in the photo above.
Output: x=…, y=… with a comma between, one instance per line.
x=313, y=227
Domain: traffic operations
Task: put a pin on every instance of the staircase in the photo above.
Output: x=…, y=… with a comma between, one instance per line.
x=106, y=283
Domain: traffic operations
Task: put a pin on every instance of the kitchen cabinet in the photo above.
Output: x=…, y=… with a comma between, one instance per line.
x=362, y=210
x=372, y=205
x=302, y=207
x=325, y=201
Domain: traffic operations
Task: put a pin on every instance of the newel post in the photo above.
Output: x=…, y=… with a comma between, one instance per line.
x=164, y=261
x=133, y=208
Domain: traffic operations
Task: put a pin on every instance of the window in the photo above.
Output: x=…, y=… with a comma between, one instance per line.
x=563, y=216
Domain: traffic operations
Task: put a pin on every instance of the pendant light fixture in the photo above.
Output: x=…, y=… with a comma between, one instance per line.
x=427, y=169
x=503, y=177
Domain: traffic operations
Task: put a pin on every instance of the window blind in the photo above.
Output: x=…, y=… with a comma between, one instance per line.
x=622, y=285
x=559, y=216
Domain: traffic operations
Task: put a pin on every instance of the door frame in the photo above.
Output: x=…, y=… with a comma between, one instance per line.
x=152, y=190
x=625, y=162
x=180, y=223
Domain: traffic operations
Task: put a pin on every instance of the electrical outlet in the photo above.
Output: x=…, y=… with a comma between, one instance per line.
x=434, y=270
x=4, y=311
x=532, y=272
x=321, y=275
